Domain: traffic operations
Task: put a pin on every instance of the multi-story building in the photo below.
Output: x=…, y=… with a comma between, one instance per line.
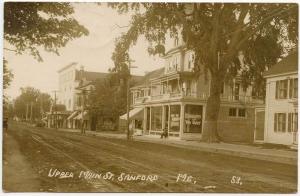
x=174, y=98
x=74, y=86
x=281, y=111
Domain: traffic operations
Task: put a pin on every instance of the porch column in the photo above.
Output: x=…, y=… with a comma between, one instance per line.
x=145, y=120
x=163, y=117
x=169, y=116
x=150, y=127
x=181, y=120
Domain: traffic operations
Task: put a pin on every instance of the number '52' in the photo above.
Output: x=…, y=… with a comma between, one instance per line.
x=236, y=180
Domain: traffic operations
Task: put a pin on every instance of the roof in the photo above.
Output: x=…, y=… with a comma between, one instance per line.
x=175, y=49
x=145, y=81
x=91, y=76
x=66, y=67
x=286, y=65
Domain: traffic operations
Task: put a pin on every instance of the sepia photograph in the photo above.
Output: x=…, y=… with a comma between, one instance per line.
x=150, y=97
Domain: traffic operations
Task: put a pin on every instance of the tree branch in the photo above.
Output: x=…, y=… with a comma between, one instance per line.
x=8, y=49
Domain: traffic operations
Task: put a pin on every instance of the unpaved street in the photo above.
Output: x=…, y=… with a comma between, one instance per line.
x=31, y=156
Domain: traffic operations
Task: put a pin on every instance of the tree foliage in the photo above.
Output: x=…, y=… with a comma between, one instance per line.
x=29, y=26
x=40, y=102
x=108, y=99
x=7, y=75
x=218, y=33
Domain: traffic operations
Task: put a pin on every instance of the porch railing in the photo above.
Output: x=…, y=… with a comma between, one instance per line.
x=200, y=96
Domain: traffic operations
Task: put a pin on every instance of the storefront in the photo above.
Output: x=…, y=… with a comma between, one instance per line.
x=179, y=119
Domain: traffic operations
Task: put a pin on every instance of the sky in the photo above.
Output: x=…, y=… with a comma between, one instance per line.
x=93, y=51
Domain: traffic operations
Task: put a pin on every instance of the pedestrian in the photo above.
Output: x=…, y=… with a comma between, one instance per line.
x=164, y=133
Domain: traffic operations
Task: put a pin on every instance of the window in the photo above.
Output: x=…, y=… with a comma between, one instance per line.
x=242, y=112
x=176, y=41
x=279, y=122
x=232, y=111
x=293, y=122
x=193, y=119
x=236, y=92
x=174, y=118
x=191, y=60
x=156, y=118
x=293, y=89
x=281, y=89
x=237, y=112
x=69, y=103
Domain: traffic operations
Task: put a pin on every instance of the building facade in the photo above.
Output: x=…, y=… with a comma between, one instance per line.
x=174, y=98
x=281, y=111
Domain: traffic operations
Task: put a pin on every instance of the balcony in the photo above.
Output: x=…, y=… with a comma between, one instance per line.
x=241, y=99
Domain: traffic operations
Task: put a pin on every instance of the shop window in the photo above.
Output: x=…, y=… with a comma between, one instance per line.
x=174, y=118
x=293, y=122
x=280, y=122
x=281, y=89
x=156, y=118
x=193, y=119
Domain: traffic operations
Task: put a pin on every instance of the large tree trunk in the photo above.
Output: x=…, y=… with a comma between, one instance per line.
x=210, y=129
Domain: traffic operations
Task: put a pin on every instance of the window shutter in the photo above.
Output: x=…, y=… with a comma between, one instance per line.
x=291, y=88
x=277, y=90
x=275, y=122
x=284, y=123
x=286, y=88
x=290, y=121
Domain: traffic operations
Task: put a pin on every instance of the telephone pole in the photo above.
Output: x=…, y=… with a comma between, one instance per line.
x=128, y=99
x=26, y=111
x=55, y=110
x=31, y=103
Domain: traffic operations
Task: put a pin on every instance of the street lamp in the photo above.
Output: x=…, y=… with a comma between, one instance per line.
x=128, y=95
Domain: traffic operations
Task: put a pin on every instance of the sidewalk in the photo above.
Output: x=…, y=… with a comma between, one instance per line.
x=240, y=150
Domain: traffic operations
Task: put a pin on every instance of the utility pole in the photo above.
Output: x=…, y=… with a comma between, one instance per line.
x=55, y=111
x=82, y=111
x=26, y=111
x=128, y=99
x=31, y=103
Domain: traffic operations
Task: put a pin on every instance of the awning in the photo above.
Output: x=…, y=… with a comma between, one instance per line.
x=136, y=112
x=79, y=116
x=72, y=115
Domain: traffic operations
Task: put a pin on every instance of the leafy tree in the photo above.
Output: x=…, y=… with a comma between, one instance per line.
x=108, y=99
x=7, y=78
x=31, y=98
x=7, y=75
x=217, y=33
x=29, y=26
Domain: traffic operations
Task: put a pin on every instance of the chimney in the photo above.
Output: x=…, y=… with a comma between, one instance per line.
x=81, y=72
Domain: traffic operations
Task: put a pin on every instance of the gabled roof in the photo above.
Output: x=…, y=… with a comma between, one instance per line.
x=287, y=65
x=145, y=81
x=91, y=76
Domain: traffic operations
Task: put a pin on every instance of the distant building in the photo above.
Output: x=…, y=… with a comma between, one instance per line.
x=174, y=98
x=74, y=86
x=281, y=112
